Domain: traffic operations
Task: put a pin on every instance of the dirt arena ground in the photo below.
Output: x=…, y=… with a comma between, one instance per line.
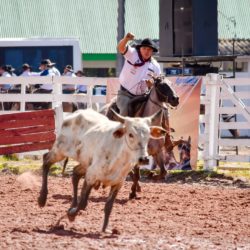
x=173, y=215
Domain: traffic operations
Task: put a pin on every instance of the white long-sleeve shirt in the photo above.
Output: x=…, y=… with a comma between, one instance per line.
x=133, y=77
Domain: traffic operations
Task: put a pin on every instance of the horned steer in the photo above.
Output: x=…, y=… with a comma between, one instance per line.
x=106, y=151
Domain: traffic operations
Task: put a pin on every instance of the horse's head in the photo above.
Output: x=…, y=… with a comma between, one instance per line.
x=184, y=149
x=165, y=92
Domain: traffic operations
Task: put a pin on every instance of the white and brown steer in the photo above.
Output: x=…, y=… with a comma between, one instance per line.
x=106, y=151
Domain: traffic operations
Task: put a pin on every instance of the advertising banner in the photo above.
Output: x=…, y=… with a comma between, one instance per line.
x=184, y=119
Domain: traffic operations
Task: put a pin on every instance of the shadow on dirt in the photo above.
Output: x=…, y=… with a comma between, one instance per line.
x=61, y=231
x=62, y=197
x=104, y=199
x=68, y=198
x=201, y=177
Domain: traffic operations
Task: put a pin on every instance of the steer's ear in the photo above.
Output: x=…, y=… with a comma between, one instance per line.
x=119, y=132
x=157, y=132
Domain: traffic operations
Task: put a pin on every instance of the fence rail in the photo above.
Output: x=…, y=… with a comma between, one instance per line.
x=56, y=97
x=218, y=91
x=230, y=97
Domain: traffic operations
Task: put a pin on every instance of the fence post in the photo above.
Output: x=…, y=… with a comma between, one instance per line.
x=57, y=90
x=211, y=121
x=89, y=95
x=58, y=118
x=23, y=102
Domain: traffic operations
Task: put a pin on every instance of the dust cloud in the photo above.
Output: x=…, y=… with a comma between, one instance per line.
x=28, y=180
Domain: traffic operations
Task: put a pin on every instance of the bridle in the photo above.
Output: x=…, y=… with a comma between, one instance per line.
x=165, y=97
x=165, y=100
x=159, y=105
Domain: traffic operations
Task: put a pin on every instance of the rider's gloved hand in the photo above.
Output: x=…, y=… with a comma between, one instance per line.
x=149, y=83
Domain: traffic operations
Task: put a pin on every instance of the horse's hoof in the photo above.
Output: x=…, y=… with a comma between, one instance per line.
x=158, y=177
x=150, y=175
x=132, y=196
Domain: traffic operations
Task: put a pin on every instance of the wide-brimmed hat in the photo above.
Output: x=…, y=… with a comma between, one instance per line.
x=147, y=42
x=69, y=68
x=47, y=62
x=8, y=68
x=26, y=66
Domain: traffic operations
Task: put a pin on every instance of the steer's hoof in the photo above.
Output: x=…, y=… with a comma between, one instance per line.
x=41, y=201
x=72, y=212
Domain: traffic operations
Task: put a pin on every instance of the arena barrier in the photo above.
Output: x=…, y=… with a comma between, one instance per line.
x=227, y=108
x=218, y=92
x=56, y=97
x=27, y=131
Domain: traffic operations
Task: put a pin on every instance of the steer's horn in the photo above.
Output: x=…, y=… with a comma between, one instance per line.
x=117, y=117
x=155, y=117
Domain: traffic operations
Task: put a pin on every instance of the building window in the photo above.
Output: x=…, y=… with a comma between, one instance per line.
x=241, y=66
x=17, y=56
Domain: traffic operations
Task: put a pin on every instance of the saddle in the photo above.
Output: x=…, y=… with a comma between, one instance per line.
x=136, y=105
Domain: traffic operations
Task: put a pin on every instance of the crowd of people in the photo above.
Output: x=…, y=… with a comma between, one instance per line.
x=47, y=68
x=135, y=80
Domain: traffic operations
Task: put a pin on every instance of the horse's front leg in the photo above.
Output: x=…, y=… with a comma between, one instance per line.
x=159, y=160
x=135, y=178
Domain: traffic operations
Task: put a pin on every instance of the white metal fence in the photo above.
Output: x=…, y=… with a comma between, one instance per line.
x=219, y=91
x=56, y=97
x=230, y=97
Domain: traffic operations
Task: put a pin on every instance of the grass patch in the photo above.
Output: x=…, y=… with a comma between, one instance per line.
x=12, y=157
x=236, y=173
x=12, y=164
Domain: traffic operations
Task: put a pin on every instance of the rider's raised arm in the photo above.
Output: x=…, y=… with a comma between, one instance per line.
x=122, y=45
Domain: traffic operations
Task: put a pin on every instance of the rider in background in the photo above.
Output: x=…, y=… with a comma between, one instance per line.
x=45, y=88
x=5, y=72
x=45, y=67
x=68, y=88
x=134, y=77
x=27, y=71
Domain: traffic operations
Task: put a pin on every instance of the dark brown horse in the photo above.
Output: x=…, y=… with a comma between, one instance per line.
x=160, y=97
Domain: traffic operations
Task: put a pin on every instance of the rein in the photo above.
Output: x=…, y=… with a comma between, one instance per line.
x=162, y=95
x=159, y=105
